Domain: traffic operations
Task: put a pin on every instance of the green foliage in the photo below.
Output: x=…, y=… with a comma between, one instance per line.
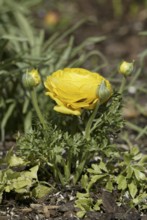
x=109, y=117
x=65, y=153
x=84, y=203
x=125, y=174
x=61, y=153
x=19, y=177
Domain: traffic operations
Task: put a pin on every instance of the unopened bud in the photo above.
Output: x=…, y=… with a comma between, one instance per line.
x=31, y=79
x=126, y=68
x=103, y=92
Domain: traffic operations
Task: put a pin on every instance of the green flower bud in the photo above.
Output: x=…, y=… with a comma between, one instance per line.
x=103, y=92
x=126, y=68
x=31, y=79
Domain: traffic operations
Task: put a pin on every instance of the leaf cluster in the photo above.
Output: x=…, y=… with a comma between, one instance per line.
x=109, y=118
x=125, y=174
x=19, y=177
x=62, y=150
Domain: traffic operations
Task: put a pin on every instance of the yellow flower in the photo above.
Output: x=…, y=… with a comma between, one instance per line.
x=31, y=78
x=74, y=89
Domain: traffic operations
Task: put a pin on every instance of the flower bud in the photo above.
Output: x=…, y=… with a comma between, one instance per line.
x=103, y=92
x=126, y=68
x=31, y=79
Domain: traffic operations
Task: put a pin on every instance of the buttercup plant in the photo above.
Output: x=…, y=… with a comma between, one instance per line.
x=75, y=89
x=83, y=96
x=81, y=149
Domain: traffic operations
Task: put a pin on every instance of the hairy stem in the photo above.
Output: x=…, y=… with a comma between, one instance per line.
x=89, y=123
x=37, y=109
x=123, y=84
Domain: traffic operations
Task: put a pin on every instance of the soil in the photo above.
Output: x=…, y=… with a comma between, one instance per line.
x=60, y=206
x=123, y=42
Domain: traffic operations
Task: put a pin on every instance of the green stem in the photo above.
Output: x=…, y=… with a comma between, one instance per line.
x=36, y=107
x=89, y=123
x=122, y=86
x=57, y=174
x=80, y=168
x=67, y=166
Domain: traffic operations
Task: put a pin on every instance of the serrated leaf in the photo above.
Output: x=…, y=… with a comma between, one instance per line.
x=144, y=207
x=129, y=172
x=137, y=157
x=9, y=174
x=84, y=181
x=95, y=169
x=82, y=195
x=132, y=189
x=141, y=198
x=80, y=214
x=32, y=173
x=134, y=151
x=127, y=159
x=102, y=166
x=97, y=205
x=95, y=178
x=20, y=181
x=16, y=161
x=84, y=203
x=139, y=175
x=19, y=184
x=109, y=185
x=143, y=159
x=121, y=181
x=41, y=191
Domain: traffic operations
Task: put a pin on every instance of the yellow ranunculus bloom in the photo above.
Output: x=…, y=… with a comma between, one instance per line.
x=74, y=89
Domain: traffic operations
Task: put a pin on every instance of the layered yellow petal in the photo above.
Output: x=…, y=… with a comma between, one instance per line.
x=64, y=110
x=74, y=89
